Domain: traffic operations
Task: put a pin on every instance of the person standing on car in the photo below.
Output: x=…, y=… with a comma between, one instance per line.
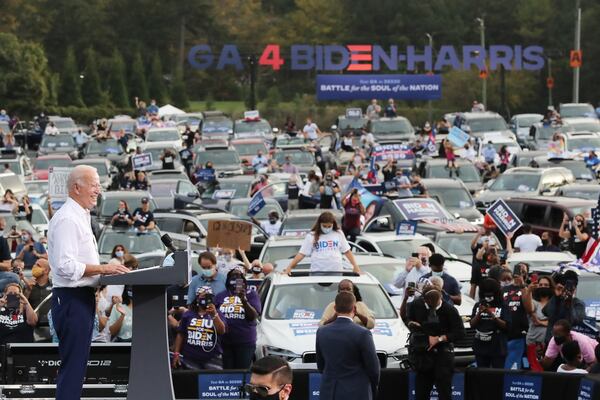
x=143, y=218
x=329, y=189
x=576, y=233
x=504, y=158
x=353, y=211
x=272, y=226
x=547, y=243
x=435, y=325
x=325, y=244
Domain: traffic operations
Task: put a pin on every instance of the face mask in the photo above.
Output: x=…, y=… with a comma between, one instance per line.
x=489, y=299
x=207, y=273
x=326, y=230
x=560, y=339
x=121, y=210
x=36, y=271
x=256, y=269
x=119, y=253
x=273, y=221
x=25, y=238
x=274, y=396
x=436, y=273
x=505, y=283
x=227, y=257
x=543, y=292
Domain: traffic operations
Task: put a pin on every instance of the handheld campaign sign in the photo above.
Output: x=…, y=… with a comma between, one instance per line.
x=458, y=137
x=407, y=228
x=353, y=113
x=420, y=208
x=141, y=161
x=256, y=204
x=223, y=194
x=251, y=115
x=57, y=185
x=206, y=175
x=504, y=218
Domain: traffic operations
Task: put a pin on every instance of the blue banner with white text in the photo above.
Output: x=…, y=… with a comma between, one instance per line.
x=366, y=87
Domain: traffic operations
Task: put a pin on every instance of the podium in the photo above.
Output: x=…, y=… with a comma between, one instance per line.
x=150, y=367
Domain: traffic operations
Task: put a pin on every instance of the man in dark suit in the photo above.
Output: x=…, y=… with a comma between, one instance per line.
x=346, y=356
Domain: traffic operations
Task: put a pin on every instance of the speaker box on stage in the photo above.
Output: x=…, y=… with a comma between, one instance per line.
x=38, y=363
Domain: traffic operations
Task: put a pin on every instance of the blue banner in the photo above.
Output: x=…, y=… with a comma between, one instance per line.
x=420, y=208
x=396, y=151
x=586, y=389
x=522, y=387
x=504, y=218
x=314, y=386
x=220, y=386
x=458, y=137
x=256, y=204
x=458, y=387
x=141, y=161
x=407, y=228
x=366, y=87
x=205, y=175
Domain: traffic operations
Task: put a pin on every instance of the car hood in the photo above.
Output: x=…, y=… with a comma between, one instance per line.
x=473, y=186
x=470, y=214
x=298, y=335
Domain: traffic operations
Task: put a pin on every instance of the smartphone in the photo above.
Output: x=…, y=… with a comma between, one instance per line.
x=534, y=278
x=12, y=301
x=415, y=255
x=412, y=285
x=239, y=285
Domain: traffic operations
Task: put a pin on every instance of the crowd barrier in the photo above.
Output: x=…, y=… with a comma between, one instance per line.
x=29, y=371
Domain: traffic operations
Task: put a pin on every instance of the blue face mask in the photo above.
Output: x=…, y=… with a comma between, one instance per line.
x=326, y=230
x=207, y=273
x=435, y=273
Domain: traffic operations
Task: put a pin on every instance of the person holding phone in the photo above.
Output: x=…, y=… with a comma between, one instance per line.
x=416, y=267
x=29, y=250
x=576, y=232
x=17, y=317
x=240, y=308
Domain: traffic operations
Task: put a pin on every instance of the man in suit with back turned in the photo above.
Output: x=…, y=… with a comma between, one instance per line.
x=346, y=356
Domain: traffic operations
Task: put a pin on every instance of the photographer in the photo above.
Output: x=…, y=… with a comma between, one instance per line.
x=487, y=258
x=17, y=318
x=490, y=319
x=29, y=250
x=328, y=189
x=240, y=307
x=198, y=345
x=416, y=267
x=434, y=326
x=564, y=304
x=576, y=233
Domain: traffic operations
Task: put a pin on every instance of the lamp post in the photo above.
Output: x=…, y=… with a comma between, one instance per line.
x=484, y=80
x=577, y=48
x=429, y=106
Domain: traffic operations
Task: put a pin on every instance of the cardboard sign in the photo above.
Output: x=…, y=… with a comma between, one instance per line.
x=256, y=204
x=407, y=228
x=229, y=234
x=57, y=183
x=504, y=218
x=141, y=161
x=458, y=137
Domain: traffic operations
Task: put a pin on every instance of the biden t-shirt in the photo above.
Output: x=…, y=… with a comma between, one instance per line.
x=325, y=253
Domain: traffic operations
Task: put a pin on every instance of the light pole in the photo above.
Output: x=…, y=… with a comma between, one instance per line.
x=577, y=48
x=484, y=80
x=429, y=107
x=549, y=85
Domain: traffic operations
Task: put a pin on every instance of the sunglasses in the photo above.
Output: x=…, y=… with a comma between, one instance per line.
x=259, y=390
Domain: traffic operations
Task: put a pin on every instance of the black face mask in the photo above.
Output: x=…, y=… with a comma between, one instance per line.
x=543, y=292
x=560, y=339
x=256, y=396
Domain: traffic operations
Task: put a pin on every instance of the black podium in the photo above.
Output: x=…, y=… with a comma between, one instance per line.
x=150, y=369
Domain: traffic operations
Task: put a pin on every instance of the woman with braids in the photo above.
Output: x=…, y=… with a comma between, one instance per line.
x=325, y=244
x=362, y=315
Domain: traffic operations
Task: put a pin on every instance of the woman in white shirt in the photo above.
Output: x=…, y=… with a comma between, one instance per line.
x=325, y=244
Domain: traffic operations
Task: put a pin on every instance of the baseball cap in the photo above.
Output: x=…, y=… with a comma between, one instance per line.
x=144, y=199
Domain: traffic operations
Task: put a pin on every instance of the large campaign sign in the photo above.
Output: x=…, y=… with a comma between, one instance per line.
x=586, y=389
x=504, y=218
x=256, y=204
x=365, y=87
x=221, y=386
x=458, y=387
x=522, y=387
x=396, y=151
x=141, y=161
x=458, y=137
x=314, y=386
x=417, y=209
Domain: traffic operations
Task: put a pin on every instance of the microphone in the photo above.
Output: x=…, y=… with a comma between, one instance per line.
x=167, y=241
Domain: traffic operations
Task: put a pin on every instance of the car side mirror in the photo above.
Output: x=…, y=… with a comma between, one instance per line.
x=275, y=130
x=545, y=190
x=193, y=194
x=194, y=235
x=383, y=221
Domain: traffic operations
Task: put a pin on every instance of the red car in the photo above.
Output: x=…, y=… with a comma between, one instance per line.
x=247, y=149
x=43, y=163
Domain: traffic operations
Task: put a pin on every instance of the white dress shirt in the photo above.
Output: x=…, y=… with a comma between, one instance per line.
x=71, y=245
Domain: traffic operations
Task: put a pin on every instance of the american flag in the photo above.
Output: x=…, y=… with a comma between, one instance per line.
x=595, y=225
x=590, y=260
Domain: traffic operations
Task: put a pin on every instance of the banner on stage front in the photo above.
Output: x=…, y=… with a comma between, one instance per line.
x=366, y=87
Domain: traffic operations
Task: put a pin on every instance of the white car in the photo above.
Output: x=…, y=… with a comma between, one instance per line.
x=39, y=219
x=280, y=248
x=540, y=259
x=497, y=142
x=168, y=137
x=292, y=308
x=521, y=123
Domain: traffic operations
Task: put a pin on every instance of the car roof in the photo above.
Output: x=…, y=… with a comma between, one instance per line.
x=527, y=115
x=53, y=157
x=570, y=201
x=442, y=182
x=246, y=141
x=481, y=115
x=531, y=170
x=580, y=134
x=384, y=119
x=238, y=178
x=576, y=120
x=283, y=279
x=129, y=194
x=310, y=212
x=442, y=161
x=550, y=256
x=153, y=145
x=247, y=200
x=388, y=236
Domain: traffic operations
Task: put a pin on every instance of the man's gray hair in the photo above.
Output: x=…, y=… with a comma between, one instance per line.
x=77, y=174
x=437, y=281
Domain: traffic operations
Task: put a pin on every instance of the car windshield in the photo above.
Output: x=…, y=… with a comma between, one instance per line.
x=220, y=125
x=111, y=205
x=42, y=163
x=308, y=300
x=64, y=124
x=242, y=188
x=14, y=165
x=587, y=194
x=468, y=172
x=516, y=182
x=164, y=135
x=590, y=125
x=588, y=291
x=583, y=143
x=304, y=158
x=218, y=157
x=458, y=245
x=351, y=123
x=546, y=132
x=394, y=126
x=106, y=146
x=486, y=124
x=38, y=217
x=158, y=151
x=57, y=141
x=273, y=253
x=134, y=242
x=259, y=127
x=127, y=126
x=452, y=197
x=400, y=249
x=526, y=122
x=581, y=110
x=36, y=187
x=250, y=149
x=291, y=141
x=163, y=189
x=298, y=223
x=241, y=210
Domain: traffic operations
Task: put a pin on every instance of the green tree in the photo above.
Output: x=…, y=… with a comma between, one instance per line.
x=156, y=82
x=91, y=88
x=178, y=93
x=116, y=81
x=137, y=78
x=70, y=83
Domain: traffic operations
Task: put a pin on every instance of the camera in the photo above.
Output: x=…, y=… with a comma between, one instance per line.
x=207, y=300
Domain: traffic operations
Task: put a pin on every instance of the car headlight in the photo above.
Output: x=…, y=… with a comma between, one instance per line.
x=399, y=354
x=283, y=353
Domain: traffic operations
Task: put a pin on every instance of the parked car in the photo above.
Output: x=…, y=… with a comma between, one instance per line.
x=586, y=191
x=570, y=110
x=469, y=174
x=107, y=173
x=455, y=197
x=41, y=164
x=108, y=203
x=520, y=124
x=58, y=144
x=391, y=130
x=135, y=242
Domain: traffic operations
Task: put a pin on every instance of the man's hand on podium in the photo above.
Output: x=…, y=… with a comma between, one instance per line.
x=114, y=269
